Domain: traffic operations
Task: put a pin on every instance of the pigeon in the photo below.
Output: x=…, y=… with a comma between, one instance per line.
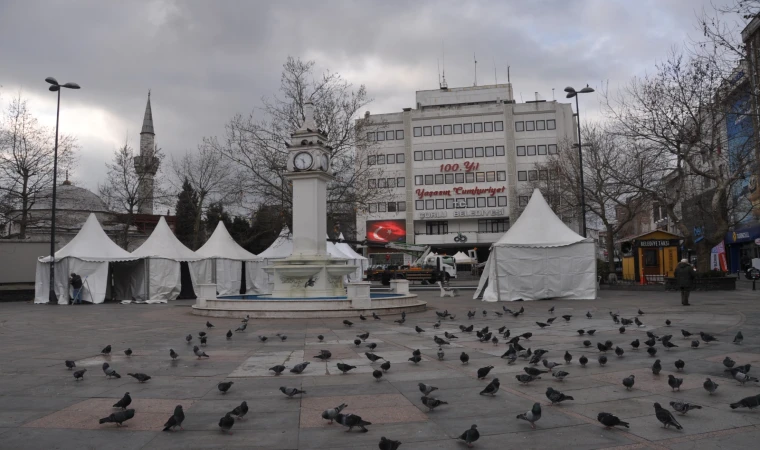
x=556, y=397
x=351, y=421
x=674, y=383
x=278, y=369
x=203, y=340
x=710, y=386
x=590, y=332
x=299, y=368
x=609, y=420
x=324, y=355
x=667, y=322
x=628, y=382
x=601, y=347
x=581, y=332
x=106, y=350
x=437, y=325
x=400, y=321
x=551, y=320
x=485, y=313
x=535, y=359
x=635, y=344
x=375, y=316
x=551, y=310
x=619, y=351
x=652, y=351
x=176, y=419
x=332, y=413
x=560, y=375
x=587, y=343
x=240, y=411
x=602, y=360
x=694, y=344
x=621, y=330
x=470, y=435
x=357, y=342
x=739, y=338
x=432, y=403
x=241, y=328
x=525, y=353
x=550, y=365
x=371, y=345
x=245, y=320
x=680, y=365
x=526, y=335
x=344, y=368
x=415, y=359
x=656, y=367
x=542, y=325
x=416, y=352
x=525, y=378
x=128, y=352
x=684, y=407
x=532, y=416
x=320, y=338
x=534, y=372
x=665, y=417
x=377, y=374
x=470, y=314
x=464, y=357
x=363, y=336
x=140, y=377
x=347, y=323
x=440, y=354
x=568, y=357
x=201, y=334
x=79, y=374
x=123, y=402
x=263, y=338
x=282, y=337
x=742, y=377
x=209, y=325
x=361, y=317
x=388, y=444
x=229, y=334
x=728, y=362
x=440, y=341
x=372, y=357
x=290, y=392
x=109, y=371
x=707, y=337
x=199, y=353
x=567, y=317
x=667, y=344
x=426, y=389
x=226, y=423
x=224, y=386
x=70, y=364
x=385, y=366
x=747, y=402
x=583, y=360
x=119, y=417
x=492, y=388
x=626, y=321
x=483, y=372
x=588, y=314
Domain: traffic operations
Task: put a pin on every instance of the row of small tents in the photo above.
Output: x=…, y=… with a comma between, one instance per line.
x=162, y=267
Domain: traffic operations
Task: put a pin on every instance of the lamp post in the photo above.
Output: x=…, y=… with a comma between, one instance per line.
x=52, y=299
x=570, y=94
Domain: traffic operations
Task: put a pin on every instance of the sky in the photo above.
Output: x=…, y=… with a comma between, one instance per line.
x=205, y=61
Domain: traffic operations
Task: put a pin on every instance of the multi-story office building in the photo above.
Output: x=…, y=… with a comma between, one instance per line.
x=459, y=165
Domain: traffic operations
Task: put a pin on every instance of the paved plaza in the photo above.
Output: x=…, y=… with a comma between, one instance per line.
x=42, y=406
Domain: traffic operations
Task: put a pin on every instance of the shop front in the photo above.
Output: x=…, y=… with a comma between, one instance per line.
x=742, y=247
x=650, y=257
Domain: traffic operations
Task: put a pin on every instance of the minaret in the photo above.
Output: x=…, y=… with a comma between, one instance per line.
x=146, y=165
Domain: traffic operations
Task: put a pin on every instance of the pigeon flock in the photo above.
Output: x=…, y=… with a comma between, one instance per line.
x=540, y=364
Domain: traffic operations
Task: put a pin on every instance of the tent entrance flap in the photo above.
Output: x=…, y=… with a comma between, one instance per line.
x=186, y=291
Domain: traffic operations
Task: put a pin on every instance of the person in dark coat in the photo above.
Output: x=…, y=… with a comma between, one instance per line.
x=76, y=283
x=684, y=274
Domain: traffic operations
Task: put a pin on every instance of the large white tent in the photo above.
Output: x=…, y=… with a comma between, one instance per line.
x=88, y=255
x=358, y=260
x=160, y=273
x=461, y=258
x=539, y=257
x=223, y=265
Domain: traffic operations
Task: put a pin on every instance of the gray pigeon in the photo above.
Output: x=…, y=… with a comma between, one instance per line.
x=70, y=364
x=106, y=350
x=628, y=382
x=324, y=355
x=199, y=353
x=351, y=421
x=128, y=352
x=609, y=420
x=656, y=367
x=674, y=383
x=378, y=374
x=290, y=392
x=583, y=360
x=226, y=423
x=684, y=407
x=556, y=396
x=299, y=368
x=464, y=357
x=224, y=386
x=372, y=357
x=470, y=435
x=173, y=354
x=415, y=359
x=141, y=377
x=426, y=389
x=123, y=402
x=388, y=444
x=483, y=372
x=739, y=338
x=680, y=364
x=665, y=417
x=119, y=417
x=188, y=338
x=742, y=377
x=175, y=420
x=710, y=386
x=242, y=327
x=747, y=402
x=332, y=413
x=385, y=366
x=550, y=365
x=109, y=371
x=432, y=403
x=229, y=334
x=241, y=410
x=694, y=344
x=525, y=378
x=440, y=354
x=728, y=362
x=492, y=388
x=534, y=372
x=79, y=374
x=560, y=375
x=344, y=368
x=532, y=416
x=278, y=369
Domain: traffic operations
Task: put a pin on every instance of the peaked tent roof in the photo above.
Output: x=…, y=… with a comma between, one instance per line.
x=162, y=243
x=221, y=245
x=92, y=244
x=538, y=226
x=282, y=247
x=461, y=258
x=347, y=250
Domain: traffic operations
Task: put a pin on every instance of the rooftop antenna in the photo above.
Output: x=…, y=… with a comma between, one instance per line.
x=443, y=84
x=439, y=74
x=553, y=99
x=495, y=77
x=521, y=100
x=508, y=79
x=476, y=69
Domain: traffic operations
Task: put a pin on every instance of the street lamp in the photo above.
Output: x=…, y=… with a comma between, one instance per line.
x=570, y=94
x=52, y=299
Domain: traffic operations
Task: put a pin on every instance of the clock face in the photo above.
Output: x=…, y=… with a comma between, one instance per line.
x=325, y=163
x=303, y=161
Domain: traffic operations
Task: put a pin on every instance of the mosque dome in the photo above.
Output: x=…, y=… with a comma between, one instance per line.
x=70, y=198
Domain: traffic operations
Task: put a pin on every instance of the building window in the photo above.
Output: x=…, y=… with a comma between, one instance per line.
x=480, y=177
x=371, y=136
x=381, y=159
x=551, y=124
x=371, y=160
x=449, y=178
x=469, y=177
x=437, y=227
x=531, y=150
x=401, y=206
x=488, y=127
x=543, y=174
x=400, y=182
x=478, y=127
x=459, y=177
x=380, y=136
x=490, y=176
x=519, y=126
x=417, y=131
x=428, y=179
x=502, y=201
x=650, y=257
x=418, y=180
x=373, y=207
x=437, y=130
x=461, y=203
x=439, y=178
x=540, y=125
x=391, y=206
x=471, y=202
x=390, y=159
x=419, y=205
x=524, y=201
x=430, y=204
x=552, y=149
x=498, y=126
x=449, y=203
x=440, y=203
x=458, y=153
x=520, y=150
x=438, y=154
x=522, y=175
x=467, y=128
x=481, y=202
x=529, y=125
x=541, y=149
x=391, y=182
x=428, y=155
x=493, y=225
x=489, y=151
x=448, y=153
x=381, y=183
x=381, y=207
x=399, y=135
x=491, y=202
x=478, y=152
x=427, y=131
x=418, y=156
x=400, y=158
x=499, y=150
x=372, y=184
x=468, y=153
x=447, y=129
x=501, y=175
x=458, y=129
x=532, y=175
x=389, y=135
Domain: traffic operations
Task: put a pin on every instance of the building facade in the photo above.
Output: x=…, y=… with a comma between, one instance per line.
x=458, y=166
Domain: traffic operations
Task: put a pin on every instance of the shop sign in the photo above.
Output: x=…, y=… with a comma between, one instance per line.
x=658, y=243
x=477, y=190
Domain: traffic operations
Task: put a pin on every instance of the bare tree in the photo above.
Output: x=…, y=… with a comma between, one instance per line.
x=26, y=163
x=259, y=146
x=121, y=188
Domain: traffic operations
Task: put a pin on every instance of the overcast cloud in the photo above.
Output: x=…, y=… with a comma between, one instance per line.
x=208, y=60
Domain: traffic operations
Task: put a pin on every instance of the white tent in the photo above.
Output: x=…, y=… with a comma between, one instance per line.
x=539, y=257
x=87, y=255
x=162, y=253
x=224, y=265
x=358, y=260
x=461, y=258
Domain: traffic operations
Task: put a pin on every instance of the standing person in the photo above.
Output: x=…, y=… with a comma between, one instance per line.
x=684, y=274
x=76, y=282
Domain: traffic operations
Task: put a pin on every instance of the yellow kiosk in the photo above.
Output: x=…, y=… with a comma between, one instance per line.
x=650, y=257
